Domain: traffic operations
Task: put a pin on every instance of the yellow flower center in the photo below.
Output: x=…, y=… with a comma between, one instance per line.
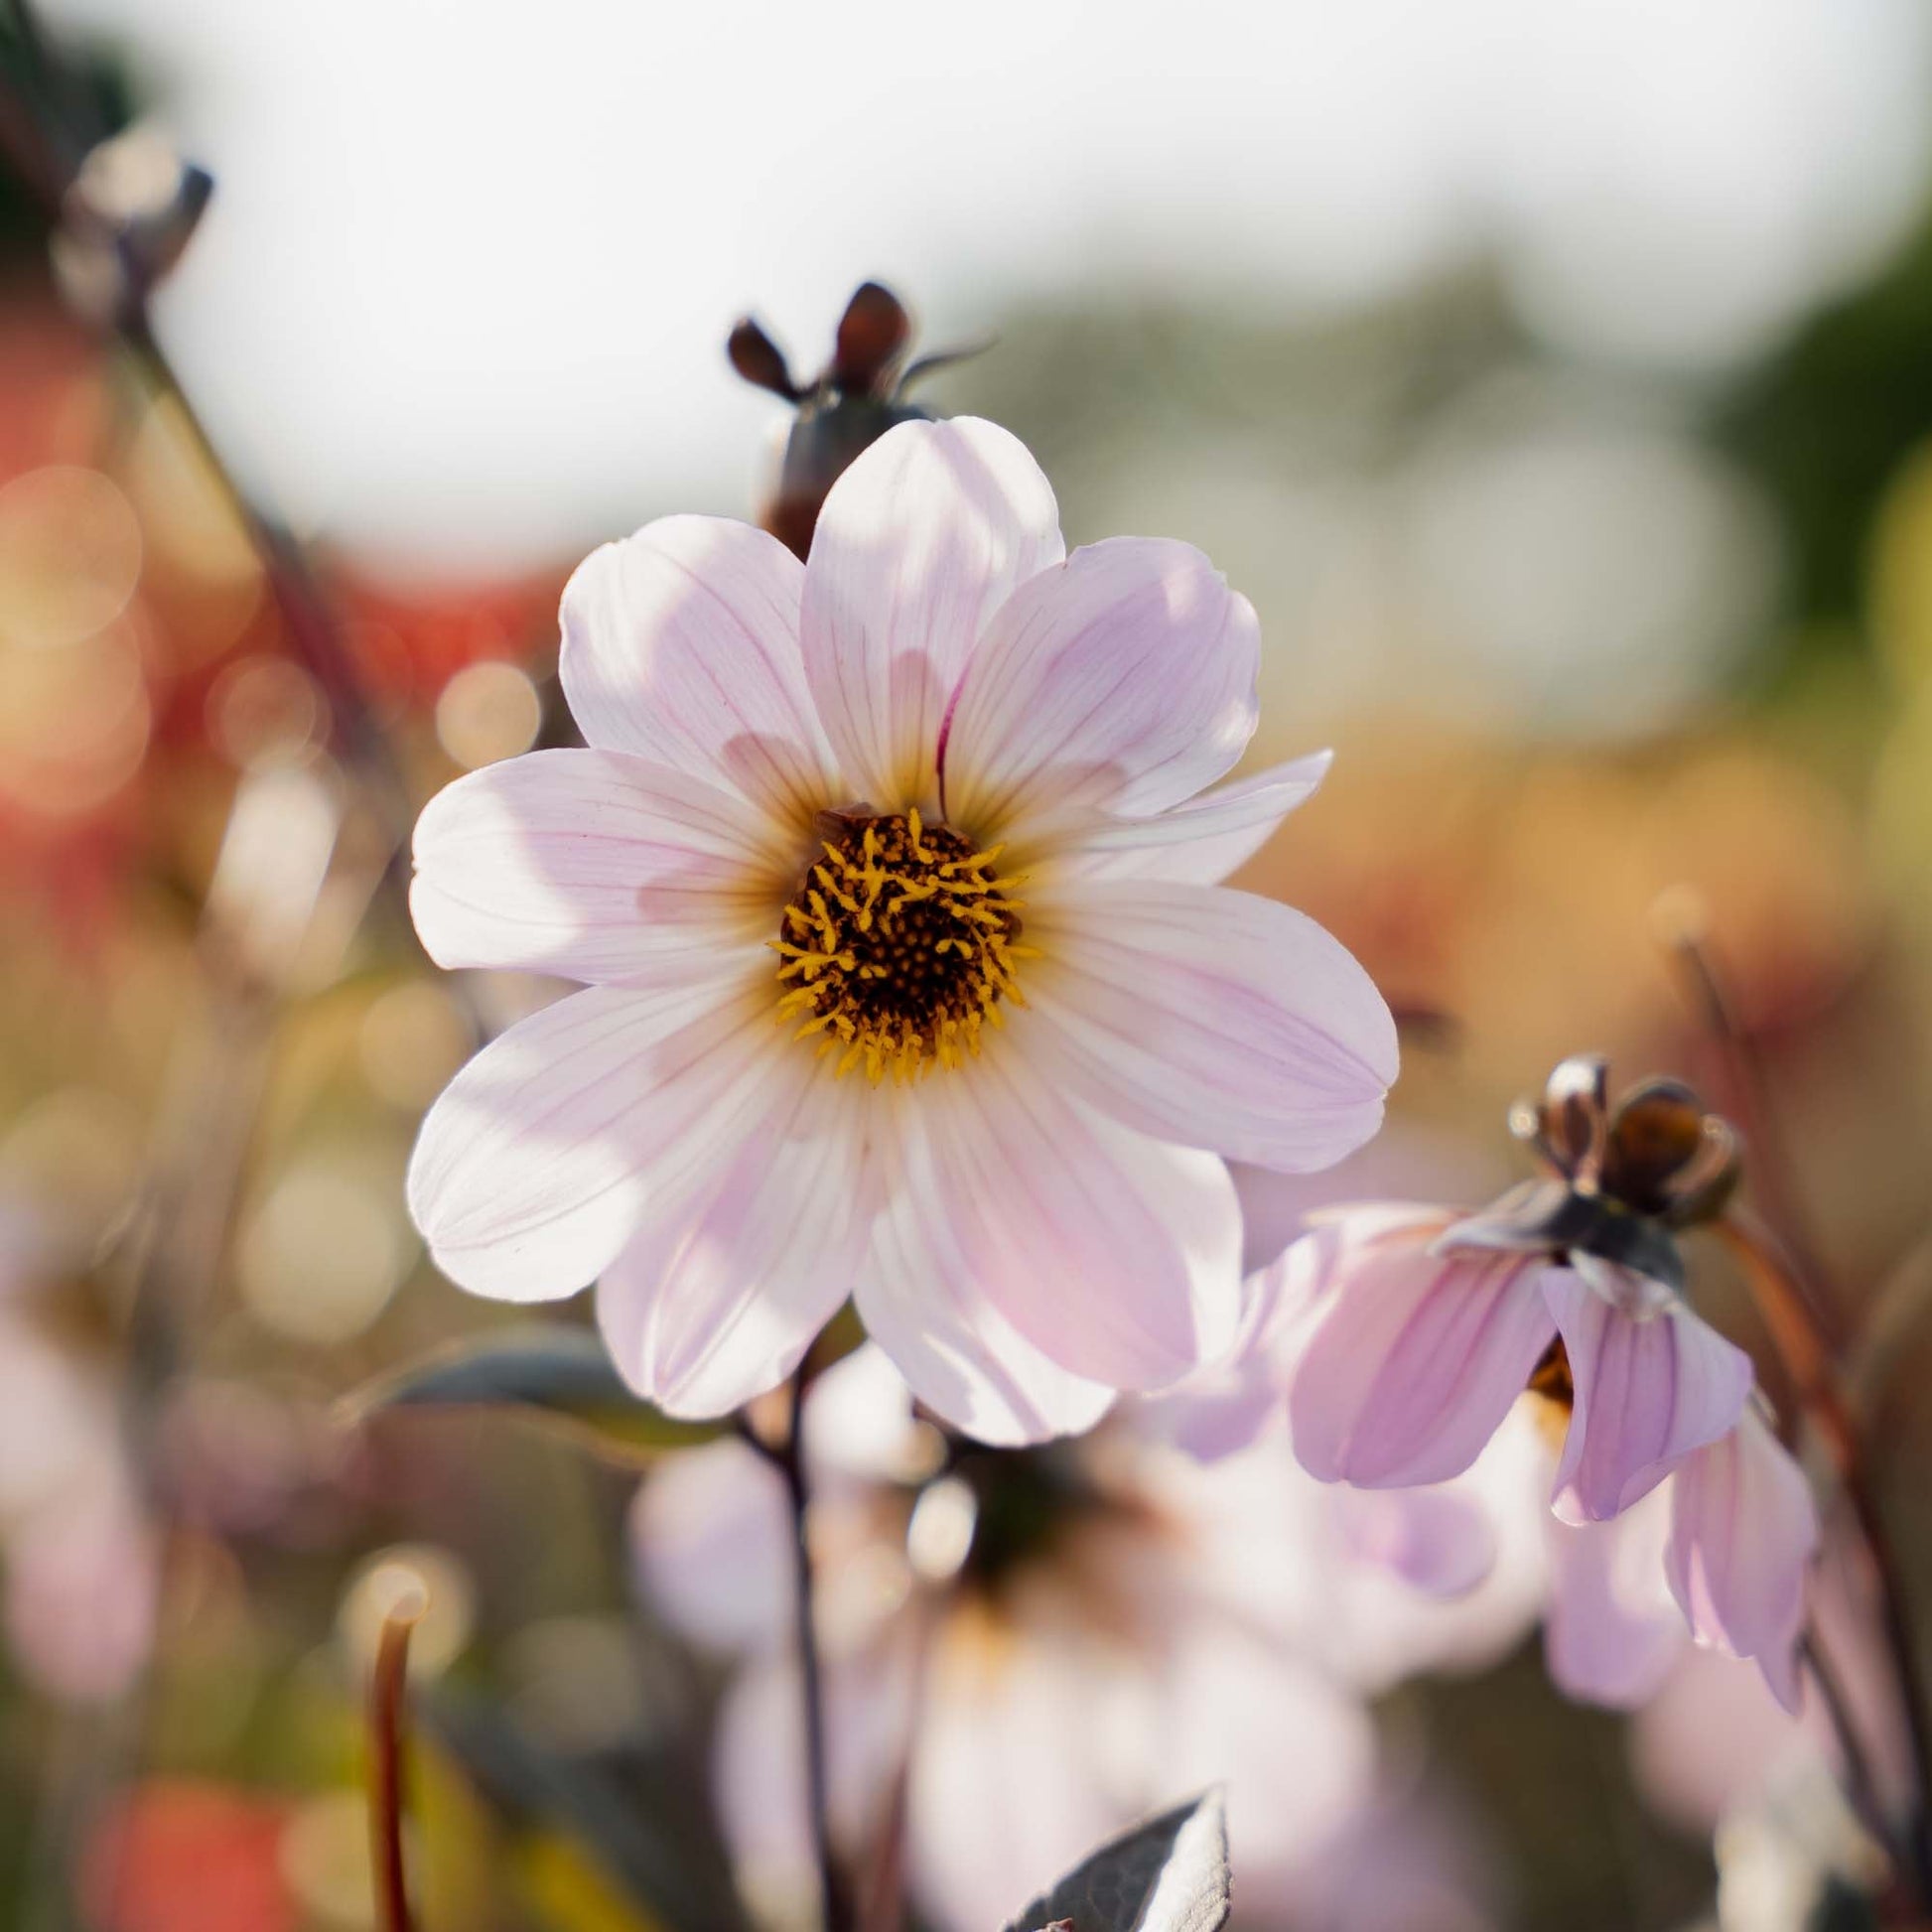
x=899, y=946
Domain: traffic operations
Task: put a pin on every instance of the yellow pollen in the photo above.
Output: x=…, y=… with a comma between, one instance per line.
x=899, y=947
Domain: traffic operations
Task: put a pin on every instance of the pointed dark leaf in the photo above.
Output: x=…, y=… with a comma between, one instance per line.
x=1169, y=1875
x=548, y=1372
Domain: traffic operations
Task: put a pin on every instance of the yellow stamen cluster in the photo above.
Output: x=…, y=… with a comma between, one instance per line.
x=899, y=947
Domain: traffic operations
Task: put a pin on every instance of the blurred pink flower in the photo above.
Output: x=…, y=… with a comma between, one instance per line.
x=923, y=807
x=81, y=1565
x=1083, y=1631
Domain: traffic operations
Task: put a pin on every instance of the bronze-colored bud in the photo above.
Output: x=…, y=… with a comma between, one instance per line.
x=760, y=360
x=1656, y=1133
x=873, y=334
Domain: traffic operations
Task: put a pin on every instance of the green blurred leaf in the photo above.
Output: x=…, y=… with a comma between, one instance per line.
x=1169, y=1875
x=546, y=1373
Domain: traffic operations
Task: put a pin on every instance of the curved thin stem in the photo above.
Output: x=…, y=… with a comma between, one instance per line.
x=387, y=1765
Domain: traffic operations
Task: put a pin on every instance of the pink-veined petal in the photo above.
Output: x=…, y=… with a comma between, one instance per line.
x=925, y=1307
x=1415, y=1362
x=1207, y=1017
x=1744, y=1531
x=1117, y=1256
x=718, y=1295
x=1199, y=843
x=590, y=865
x=681, y=645
x=919, y=542
x=1122, y=679
x=542, y=1157
x=1612, y=1632
x=1651, y=1385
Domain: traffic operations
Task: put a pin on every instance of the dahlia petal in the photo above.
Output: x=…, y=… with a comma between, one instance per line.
x=1610, y=1631
x=717, y=1299
x=1744, y=1531
x=543, y=1156
x=711, y=1541
x=681, y=645
x=919, y=542
x=1209, y=1017
x=1650, y=1387
x=1415, y=1364
x=1124, y=678
x=1197, y=843
x=1118, y=1256
x=924, y=1303
x=588, y=865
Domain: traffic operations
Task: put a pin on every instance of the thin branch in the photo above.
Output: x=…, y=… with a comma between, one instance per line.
x=790, y=1461
x=1775, y=1287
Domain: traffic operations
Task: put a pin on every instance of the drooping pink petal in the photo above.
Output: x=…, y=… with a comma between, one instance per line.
x=711, y=1539
x=919, y=542
x=1744, y=1532
x=1652, y=1384
x=542, y=1157
x=925, y=1305
x=1198, y=843
x=1123, y=680
x=1117, y=1256
x=1415, y=1362
x=1612, y=1632
x=719, y=1295
x=1207, y=1017
x=591, y=865
x=681, y=645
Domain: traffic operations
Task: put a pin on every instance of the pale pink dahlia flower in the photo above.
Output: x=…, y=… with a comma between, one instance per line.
x=1426, y=1323
x=906, y=973
x=1407, y=1338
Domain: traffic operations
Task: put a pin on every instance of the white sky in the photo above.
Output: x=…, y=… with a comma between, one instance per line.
x=464, y=284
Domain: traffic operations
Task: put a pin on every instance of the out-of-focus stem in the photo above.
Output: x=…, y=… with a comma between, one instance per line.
x=1747, y=1102
x=788, y=1458
x=389, y=1764
x=811, y=1672
x=1775, y=1287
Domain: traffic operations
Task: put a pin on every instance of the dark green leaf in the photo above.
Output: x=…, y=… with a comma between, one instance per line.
x=547, y=1372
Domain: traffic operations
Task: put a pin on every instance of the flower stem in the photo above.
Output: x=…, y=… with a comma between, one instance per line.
x=1784, y=1306
x=387, y=1685
x=791, y=1462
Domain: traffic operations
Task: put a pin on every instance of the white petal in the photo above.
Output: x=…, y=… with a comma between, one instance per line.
x=681, y=645
x=1207, y=1017
x=1123, y=679
x=543, y=1156
x=591, y=865
x=919, y=542
x=1117, y=1256
x=720, y=1295
x=1198, y=843
x=923, y=1305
